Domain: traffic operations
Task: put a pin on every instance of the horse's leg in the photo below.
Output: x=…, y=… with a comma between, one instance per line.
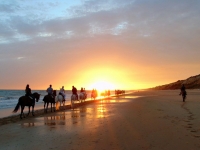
x=47, y=106
x=63, y=103
x=73, y=103
x=51, y=107
x=22, y=113
x=33, y=110
x=28, y=110
x=44, y=106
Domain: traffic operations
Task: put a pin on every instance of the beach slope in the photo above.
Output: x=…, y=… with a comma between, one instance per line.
x=142, y=120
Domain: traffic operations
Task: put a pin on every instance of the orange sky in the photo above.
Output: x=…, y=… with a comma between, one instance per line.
x=130, y=44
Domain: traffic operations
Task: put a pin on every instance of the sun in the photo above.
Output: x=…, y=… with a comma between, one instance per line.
x=102, y=85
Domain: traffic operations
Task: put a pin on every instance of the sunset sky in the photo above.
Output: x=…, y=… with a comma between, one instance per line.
x=108, y=44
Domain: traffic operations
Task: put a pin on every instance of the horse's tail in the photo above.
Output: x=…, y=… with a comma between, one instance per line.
x=57, y=105
x=17, y=106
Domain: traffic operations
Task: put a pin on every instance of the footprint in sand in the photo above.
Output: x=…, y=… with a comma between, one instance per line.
x=197, y=136
x=186, y=120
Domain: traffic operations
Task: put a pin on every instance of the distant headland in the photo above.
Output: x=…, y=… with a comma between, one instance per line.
x=192, y=82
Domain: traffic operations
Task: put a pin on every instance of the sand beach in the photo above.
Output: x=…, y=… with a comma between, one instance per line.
x=141, y=120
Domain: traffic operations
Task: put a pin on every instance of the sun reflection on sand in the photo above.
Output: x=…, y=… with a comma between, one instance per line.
x=78, y=116
x=101, y=111
x=29, y=124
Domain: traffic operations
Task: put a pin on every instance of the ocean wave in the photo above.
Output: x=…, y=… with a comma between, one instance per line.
x=8, y=98
x=8, y=103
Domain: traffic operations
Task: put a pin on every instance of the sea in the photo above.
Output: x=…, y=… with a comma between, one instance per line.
x=9, y=99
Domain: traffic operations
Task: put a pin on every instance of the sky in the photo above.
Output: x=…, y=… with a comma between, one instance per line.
x=102, y=44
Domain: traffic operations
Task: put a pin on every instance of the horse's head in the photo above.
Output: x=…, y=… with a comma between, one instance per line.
x=37, y=96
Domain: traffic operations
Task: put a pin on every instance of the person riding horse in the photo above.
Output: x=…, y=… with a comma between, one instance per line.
x=29, y=94
x=74, y=91
x=49, y=98
x=50, y=91
x=62, y=92
x=94, y=93
x=83, y=92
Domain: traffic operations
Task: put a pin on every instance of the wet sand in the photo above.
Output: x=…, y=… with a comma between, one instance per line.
x=142, y=120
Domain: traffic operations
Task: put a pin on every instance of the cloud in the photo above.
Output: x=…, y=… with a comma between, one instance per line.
x=9, y=7
x=143, y=18
x=168, y=27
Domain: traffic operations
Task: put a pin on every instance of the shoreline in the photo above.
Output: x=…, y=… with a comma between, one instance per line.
x=7, y=116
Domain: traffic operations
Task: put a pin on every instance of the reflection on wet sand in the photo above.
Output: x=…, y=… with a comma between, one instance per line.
x=58, y=119
x=101, y=111
x=131, y=96
x=116, y=100
x=28, y=124
x=75, y=113
x=79, y=115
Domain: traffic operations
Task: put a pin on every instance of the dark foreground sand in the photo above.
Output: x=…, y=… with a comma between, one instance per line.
x=156, y=120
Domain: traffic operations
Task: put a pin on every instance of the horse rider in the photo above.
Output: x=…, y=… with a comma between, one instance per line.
x=85, y=92
x=74, y=91
x=93, y=91
x=28, y=93
x=62, y=92
x=96, y=92
x=82, y=91
x=108, y=92
x=50, y=90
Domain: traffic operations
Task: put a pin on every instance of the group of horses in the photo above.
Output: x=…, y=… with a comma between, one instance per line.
x=54, y=99
x=118, y=92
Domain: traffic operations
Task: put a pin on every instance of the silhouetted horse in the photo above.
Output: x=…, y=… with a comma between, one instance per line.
x=26, y=101
x=82, y=96
x=49, y=99
x=93, y=95
x=73, y=99
x=59, y=98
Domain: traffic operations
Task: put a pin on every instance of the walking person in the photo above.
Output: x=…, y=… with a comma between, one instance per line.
x=183, y=92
